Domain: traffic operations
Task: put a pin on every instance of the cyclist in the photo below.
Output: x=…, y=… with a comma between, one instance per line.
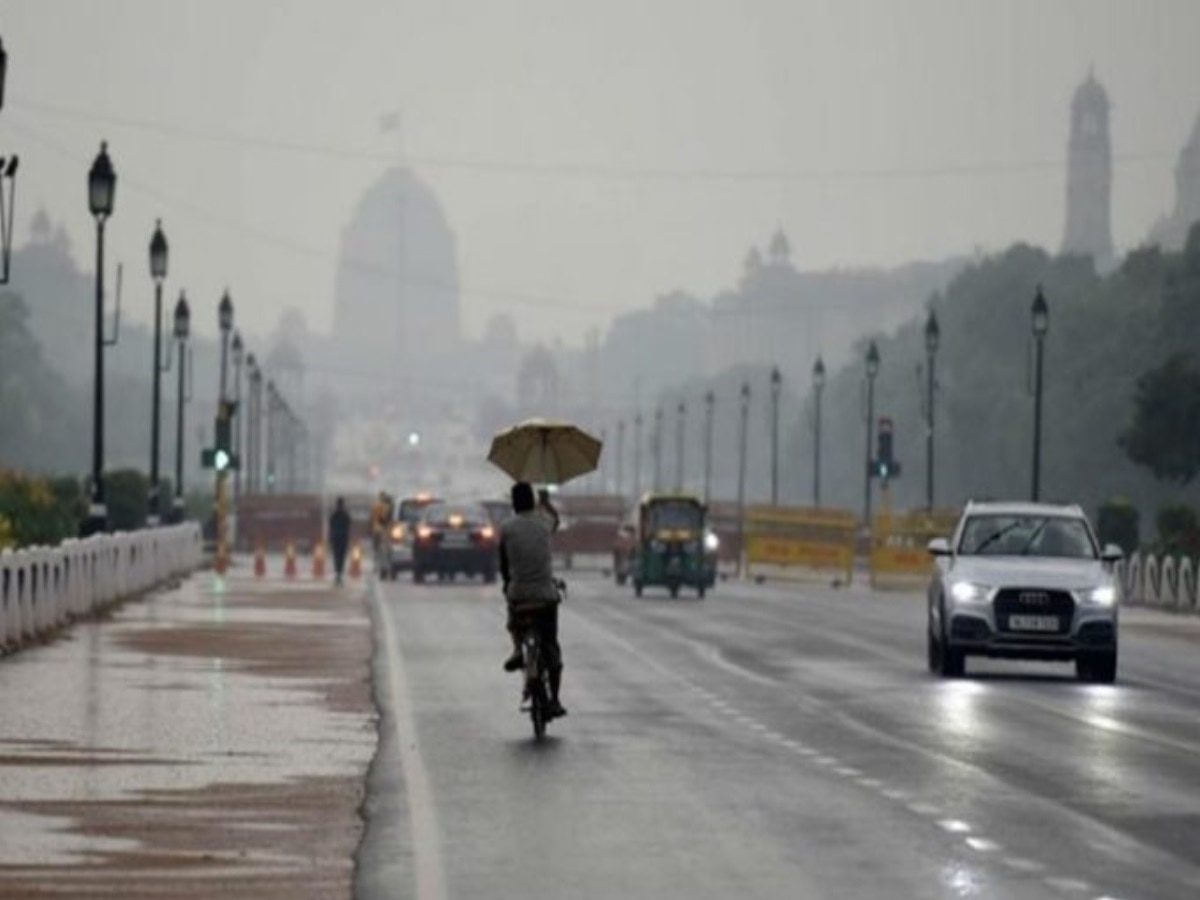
x=529, y=586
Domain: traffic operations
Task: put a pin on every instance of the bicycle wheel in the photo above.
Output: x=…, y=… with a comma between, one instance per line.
x=538, y=708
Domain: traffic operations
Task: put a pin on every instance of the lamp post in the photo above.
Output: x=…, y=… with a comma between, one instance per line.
x=872, y=370
x=238, y=349
x=681, y=418
x=741, y=482
x=933, y=335
x=658, y=437
x=102, y=184
x=818, y=380
x=620, y=457
x=8, y=173
x=1040, y=313
x=272, y=435
x=252, y=383
x=710, y=400
x=158, y=271
x=225, y=322
x=637, y=456
x=182, y=326
x=776, y=389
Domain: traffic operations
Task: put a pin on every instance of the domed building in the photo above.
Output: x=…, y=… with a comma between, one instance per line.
x=397, y=296
x=1172, y=230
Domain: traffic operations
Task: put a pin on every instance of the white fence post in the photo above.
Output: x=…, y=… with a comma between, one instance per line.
x=42, y=588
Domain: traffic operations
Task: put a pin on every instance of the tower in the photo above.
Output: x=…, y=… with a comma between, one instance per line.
x=1088, y=229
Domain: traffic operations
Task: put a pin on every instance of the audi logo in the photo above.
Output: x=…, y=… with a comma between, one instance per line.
x=1034, y=598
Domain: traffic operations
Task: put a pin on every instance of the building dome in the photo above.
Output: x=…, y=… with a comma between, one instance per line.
x=396, y=296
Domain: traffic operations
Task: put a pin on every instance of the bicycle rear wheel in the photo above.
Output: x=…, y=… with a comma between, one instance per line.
x=538, y=709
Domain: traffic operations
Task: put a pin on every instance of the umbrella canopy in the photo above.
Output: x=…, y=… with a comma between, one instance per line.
x=543, y=451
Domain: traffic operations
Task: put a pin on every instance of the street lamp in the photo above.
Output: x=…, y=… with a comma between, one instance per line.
x=620, y=458
x=658, y=437
x=933, y=335
x=741, y=484
x=818, y=380
x=254, y=379
x=637, y=457
x=872, y=371
x=710, y=400
x=272, y=435
x=776, y=389
x=238, y=349
x=158, y=271
x=225, y=322
x=1040, y=313
x=102, y=184
x=182, y=326
x=8, y=172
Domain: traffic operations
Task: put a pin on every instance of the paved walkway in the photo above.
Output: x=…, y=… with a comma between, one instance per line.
x=210, y=741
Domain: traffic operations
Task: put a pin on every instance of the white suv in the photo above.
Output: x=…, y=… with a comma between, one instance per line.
x=1024, y=581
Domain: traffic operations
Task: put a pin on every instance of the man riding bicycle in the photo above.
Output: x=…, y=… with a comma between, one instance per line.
x=530, y=587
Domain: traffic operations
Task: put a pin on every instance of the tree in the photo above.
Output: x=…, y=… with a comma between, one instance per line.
x=1165, y=433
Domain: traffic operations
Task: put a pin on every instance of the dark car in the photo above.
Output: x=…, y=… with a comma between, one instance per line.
x=454, y=538
x=498, y=510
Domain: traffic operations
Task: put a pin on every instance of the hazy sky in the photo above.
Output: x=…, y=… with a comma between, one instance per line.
x=589, y=155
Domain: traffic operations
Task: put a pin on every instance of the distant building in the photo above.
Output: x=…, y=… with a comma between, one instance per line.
x=1088, y=230
x=397, y=293
x=1171, y=231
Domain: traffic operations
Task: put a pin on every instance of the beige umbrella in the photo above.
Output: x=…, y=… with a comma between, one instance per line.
x=544, y=451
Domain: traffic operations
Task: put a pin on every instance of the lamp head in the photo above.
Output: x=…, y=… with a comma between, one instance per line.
x=158, y=253
x=183, y=318
x=225, y=313
x=102, y=184
x=1041, y=314
x=872, y=360
x=933, y=333
x=818, y=373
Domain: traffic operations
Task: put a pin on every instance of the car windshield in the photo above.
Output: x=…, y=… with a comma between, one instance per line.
x=411, y=510
x=455, y=515
x=1059, y=537
x=674, y=514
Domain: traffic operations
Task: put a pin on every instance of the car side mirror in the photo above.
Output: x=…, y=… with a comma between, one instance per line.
x=939, y=547
x=1112, y=553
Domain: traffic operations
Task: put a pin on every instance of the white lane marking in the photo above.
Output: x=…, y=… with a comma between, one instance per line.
x=924, y=809
x=954, y=826
x=1068, y=885
x=427, y=847
x=893, y=794
x=1020, y=864
x=983, y=845
x=873, y=783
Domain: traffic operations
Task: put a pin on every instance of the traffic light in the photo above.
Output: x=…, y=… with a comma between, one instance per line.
x=884, y=466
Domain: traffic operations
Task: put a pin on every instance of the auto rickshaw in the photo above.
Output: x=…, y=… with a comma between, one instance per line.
x=670, y=548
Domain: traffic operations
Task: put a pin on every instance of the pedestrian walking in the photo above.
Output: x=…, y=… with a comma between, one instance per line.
x=339, y=537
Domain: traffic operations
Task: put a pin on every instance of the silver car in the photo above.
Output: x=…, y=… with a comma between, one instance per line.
x=1024, y=581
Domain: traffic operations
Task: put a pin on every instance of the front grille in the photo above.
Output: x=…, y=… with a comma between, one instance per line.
x=1034, y=602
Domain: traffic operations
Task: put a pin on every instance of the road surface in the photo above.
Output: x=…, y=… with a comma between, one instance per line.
x=773, y=742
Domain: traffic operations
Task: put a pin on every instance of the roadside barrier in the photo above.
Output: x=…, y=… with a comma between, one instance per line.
x=790, y=542
x=289, y=561
x=43, y=588
x=260, y=562
x=1169, y=582
x=318, y=560
x=356, y=561
x=899, y=555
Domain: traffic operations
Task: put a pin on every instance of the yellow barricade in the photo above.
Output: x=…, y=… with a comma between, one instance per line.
x=793, y=541
x=899, y=546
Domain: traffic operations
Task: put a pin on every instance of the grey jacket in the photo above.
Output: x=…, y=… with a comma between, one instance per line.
x=526, y=564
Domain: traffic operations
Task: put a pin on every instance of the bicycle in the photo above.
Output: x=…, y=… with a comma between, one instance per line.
x=537, y=690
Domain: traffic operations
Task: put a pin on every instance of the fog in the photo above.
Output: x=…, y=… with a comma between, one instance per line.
x=426, y=199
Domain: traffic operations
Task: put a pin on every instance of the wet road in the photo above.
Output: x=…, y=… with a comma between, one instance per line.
x=775, y=742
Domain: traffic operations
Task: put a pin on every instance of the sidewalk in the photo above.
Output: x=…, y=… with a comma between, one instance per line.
x=210, y=741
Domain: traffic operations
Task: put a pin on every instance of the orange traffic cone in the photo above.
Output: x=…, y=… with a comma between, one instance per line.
x=356, y=561
x=318, y=560
x=260, y=562
x=289, y=562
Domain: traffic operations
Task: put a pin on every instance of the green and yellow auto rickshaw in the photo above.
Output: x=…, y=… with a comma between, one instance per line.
x=670, y=550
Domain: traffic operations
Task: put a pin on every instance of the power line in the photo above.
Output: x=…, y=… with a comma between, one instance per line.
x=587, y=169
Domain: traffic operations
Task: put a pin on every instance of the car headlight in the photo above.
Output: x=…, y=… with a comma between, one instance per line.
x=711, y=542
x=1105, y=595
x=965, y=592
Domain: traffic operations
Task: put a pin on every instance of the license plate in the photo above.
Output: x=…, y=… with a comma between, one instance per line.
x=454, y=539
x=1033, y=623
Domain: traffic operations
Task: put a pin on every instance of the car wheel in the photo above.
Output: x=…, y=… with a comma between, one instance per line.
x=621, y=579
x=1097, y=668
x=418, y=575
x=951, y=662
x=701, y=591
x=933, y=649
x=674, y=591
x=489, y=576
x=637, y=589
